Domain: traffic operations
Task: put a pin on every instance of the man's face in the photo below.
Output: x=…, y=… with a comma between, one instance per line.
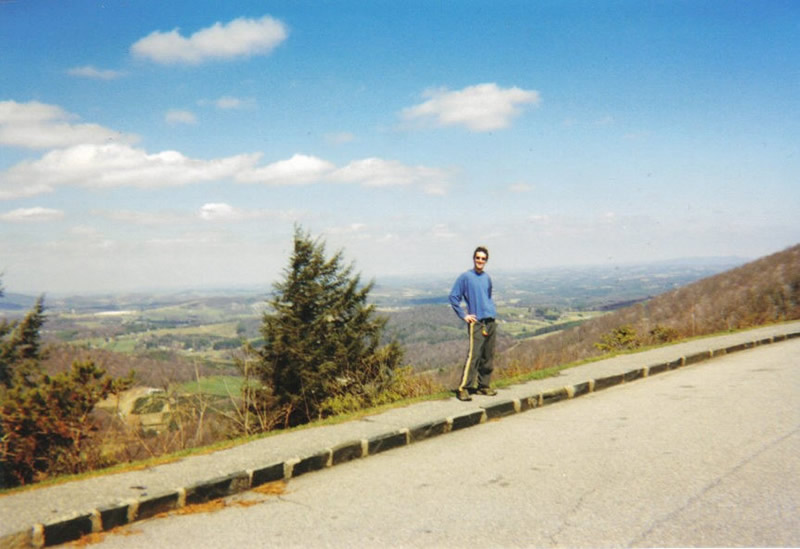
x=480, y=260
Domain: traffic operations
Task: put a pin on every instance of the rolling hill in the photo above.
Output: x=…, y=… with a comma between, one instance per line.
x=763, y=291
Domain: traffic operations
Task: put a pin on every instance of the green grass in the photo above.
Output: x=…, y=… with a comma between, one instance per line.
x=213, y=385
x=222, y=329
x=520, y=322
x=122, y=344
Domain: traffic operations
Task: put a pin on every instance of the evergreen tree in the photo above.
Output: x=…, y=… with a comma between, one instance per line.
x=44, y=420
x=322, y=338
x=20, y=347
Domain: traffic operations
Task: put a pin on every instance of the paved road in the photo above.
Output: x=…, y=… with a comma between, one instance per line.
x=701, y=456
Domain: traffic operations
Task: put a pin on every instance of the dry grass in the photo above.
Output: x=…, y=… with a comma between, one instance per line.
x=762, y=292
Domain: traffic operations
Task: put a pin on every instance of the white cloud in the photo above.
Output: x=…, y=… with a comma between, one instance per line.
x=104, y=166
x=220, y=212
x=297, y=170
x=37, y=125
x=142, y=218
x=377, y=172
x=228, y=103
x=114, y=165
x=32, y=214
x=238, y=38
x=89, y=71
x=346, y=229
x=302, y=169
x=481, y=108
x=176, y=116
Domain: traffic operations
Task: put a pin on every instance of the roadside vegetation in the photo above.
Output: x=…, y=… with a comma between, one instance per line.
x=319, y=346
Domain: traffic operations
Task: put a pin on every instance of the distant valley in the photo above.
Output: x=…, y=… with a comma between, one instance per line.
x=209, y=326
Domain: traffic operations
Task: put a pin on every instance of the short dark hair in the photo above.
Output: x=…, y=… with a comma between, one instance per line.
x=481, y=249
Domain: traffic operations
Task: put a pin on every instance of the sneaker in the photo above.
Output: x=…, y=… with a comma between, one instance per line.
x=463, y=395
x=486, y=391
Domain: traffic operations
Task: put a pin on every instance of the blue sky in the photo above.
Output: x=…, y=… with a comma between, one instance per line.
x=175, y=145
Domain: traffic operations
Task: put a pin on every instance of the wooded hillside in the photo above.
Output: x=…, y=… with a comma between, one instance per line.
x=761, y=292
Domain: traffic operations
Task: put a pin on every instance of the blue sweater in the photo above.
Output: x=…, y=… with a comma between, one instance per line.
x=476, y=290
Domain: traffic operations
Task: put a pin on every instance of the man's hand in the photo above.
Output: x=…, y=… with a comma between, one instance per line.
x=470, y=319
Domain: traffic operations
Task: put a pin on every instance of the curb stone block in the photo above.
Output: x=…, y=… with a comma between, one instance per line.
x=347, y=451
x=312, y=463
x=113, y=515
x=37, y=535
x=502, y=408
x=716, y=353
x=633, y=375
x=677, y=363
x=608, y=381
x=468, y=420
x=657, y=369
x=554, y=395
x=528, y=403
x=153, y=505
x=429, y=430
x=793, y=335
x=697, y=357
x=68, y=529
x=765, y=341
x=779, y=337
x=739, y=347
x=381, y=443
x=217, y=488
x=270, y=473
x=534, y=401
x=581, y=389
x=240, y=482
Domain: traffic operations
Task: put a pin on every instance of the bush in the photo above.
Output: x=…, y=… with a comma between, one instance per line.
x=45, y=420
x=620, y=339
x=663, y=334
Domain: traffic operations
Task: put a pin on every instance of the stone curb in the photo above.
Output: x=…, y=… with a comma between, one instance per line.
x=105, y=518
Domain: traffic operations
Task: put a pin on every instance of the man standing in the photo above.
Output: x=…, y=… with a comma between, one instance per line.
x=474, y=287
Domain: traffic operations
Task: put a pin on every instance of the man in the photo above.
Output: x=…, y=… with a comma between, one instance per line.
x=474, y=287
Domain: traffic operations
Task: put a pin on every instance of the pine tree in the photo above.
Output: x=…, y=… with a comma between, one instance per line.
x=322, y=338
x=44, y=420
x=22, y=348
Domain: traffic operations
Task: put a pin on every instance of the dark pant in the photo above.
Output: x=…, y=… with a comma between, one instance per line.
x=480, y=355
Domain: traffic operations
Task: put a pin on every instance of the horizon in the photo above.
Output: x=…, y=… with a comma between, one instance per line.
x=177, y=145
x=391, y=281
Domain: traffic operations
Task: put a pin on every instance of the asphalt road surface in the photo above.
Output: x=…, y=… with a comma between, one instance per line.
x=702, y=456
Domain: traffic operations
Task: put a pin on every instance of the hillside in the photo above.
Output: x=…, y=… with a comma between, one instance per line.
x=760, y=292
